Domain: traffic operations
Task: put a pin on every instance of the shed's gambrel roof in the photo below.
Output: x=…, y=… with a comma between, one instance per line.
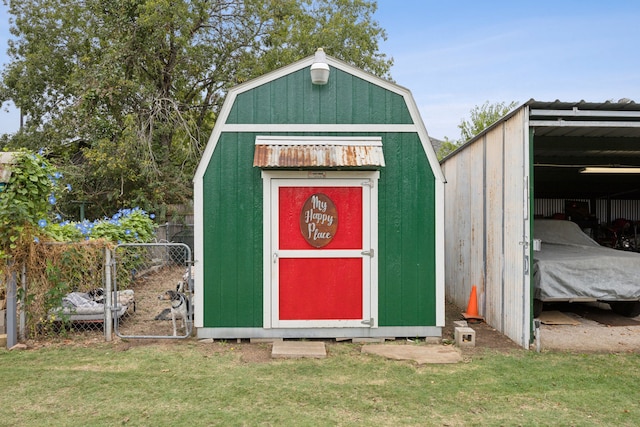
x=417, y=127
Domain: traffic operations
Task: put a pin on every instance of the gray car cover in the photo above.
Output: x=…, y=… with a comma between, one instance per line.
x=573, y=267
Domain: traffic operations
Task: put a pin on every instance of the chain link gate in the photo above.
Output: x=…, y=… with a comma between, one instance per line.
x=158, y=277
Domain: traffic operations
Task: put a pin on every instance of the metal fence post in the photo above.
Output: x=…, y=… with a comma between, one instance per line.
x=11, y=311
x=108, y=320
x=22, y=329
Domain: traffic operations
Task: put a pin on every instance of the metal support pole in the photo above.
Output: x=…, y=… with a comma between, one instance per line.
x=108, y=320
x=22, y=329
x=11, y=311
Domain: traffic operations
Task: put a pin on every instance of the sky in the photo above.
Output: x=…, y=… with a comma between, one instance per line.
x=456, y=55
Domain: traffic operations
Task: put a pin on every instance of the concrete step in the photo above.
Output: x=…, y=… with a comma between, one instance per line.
x=298, y=349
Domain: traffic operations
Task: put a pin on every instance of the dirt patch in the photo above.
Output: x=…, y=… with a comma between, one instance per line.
x=246, y=351
x=255, y=353
x=486, y=336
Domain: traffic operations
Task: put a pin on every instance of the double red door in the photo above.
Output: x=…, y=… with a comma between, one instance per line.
x=321, y=253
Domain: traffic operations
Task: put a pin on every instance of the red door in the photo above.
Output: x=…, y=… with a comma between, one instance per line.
x=321, y=261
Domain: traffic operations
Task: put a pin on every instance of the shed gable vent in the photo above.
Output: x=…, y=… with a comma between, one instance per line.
x=275, y=152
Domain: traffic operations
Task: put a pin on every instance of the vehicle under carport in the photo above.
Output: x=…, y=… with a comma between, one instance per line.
x=529, y=165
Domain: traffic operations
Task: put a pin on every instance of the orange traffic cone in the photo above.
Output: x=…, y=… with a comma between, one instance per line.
x=472, y=307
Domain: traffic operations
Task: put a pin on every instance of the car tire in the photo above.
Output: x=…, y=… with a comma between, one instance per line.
x=537, y=307
x=626, y=308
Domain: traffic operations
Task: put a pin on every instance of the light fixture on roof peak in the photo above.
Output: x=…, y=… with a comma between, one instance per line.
x=320, y=68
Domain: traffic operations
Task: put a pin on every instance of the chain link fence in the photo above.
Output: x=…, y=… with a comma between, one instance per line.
x=89, y=289
x=176, y=233
x=157, y=277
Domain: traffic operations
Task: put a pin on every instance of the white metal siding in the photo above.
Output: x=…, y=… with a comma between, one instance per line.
x=516, y=285
x=495, y=187
x=464, y=225
x=486, y=226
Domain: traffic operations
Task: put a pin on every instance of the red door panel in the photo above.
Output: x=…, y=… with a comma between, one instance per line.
x=320, y=288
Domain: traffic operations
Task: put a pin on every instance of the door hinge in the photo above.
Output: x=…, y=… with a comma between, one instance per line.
x=368, y=183
x=369, y=252
x=369, y=322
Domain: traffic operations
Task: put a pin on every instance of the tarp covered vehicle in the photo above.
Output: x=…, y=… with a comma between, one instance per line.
x=573, y=267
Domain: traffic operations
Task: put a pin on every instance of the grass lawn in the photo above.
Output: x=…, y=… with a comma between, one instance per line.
x=191, y=383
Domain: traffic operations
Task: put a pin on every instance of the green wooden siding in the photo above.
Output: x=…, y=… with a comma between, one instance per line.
x=233, y=235
x=346, y=99
x=406, y=227
x=233, y=205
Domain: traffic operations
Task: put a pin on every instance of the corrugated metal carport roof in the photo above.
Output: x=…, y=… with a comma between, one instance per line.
x=585, y=119
x=621, y=105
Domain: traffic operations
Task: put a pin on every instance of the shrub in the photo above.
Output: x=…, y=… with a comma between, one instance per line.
x=126, y=226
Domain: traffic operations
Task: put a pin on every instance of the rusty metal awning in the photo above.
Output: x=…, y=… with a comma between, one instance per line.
x=318, y=152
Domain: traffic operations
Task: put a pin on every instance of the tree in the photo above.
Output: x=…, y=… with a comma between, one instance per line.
x=124, y=93
x=481, y=117
x=446, y=147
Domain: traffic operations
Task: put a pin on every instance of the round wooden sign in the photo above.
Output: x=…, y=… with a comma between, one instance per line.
x=318, y=220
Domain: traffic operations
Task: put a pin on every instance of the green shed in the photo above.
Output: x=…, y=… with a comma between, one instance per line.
x=319, y=210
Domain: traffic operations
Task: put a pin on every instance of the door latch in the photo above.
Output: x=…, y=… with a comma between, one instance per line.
x=369, y=322
x=369, y=253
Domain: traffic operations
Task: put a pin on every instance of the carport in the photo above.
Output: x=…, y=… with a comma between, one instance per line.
x=568, y=137
x=531, y=164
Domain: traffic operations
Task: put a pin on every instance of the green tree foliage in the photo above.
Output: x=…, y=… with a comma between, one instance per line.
x=124, y=93
x=481, y=117
x=446, y=147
